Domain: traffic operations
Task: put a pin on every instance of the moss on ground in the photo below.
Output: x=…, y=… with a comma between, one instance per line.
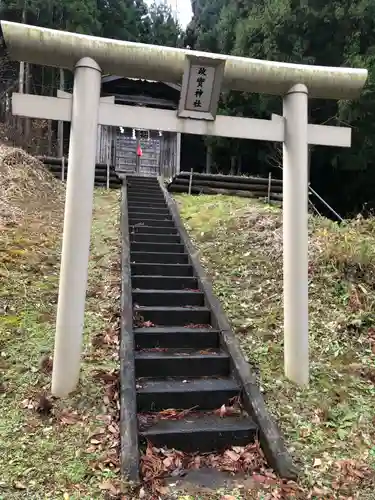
x=66, y=451
x=329, y=426
x=49, y=448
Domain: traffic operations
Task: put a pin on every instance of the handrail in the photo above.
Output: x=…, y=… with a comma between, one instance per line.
x=312, y=191
x=325, y=203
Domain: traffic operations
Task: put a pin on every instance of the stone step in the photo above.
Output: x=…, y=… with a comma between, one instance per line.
x=176, y=337
x=200, y=432
x=157, y=247
x=180, y=393
x=164, y=282
x=149, y=214
x=159, y=269
x=165, y=363
x=143, y=229
x=144, y=203
x=140, y=222
x=173, y=298
x=174, y=316
x=145, y=195
x=162, y=257
x=151, y=237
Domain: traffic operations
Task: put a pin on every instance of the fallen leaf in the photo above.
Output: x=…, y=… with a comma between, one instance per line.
x=232, y=455
x=69, y=418
x=28, y=403
x=142, y=493
x=20, y=486
x=157, y=463
x=222, y=411
x=147, y=324
x=108, y=486
x=105, y=376
x=168, y=462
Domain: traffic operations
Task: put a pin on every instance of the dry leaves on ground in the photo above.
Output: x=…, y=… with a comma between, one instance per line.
x=233, y=407
x=26, y=187
x=158, y=464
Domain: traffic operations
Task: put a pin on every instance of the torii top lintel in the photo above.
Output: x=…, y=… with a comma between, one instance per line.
x=64, y=49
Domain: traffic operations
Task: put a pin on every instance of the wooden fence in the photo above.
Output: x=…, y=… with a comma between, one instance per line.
x=232, y=185
x=105, y=175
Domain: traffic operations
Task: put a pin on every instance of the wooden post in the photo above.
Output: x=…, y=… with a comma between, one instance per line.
x=190, y=181
x=178, y=153
x=62, y=168
x=269, y=187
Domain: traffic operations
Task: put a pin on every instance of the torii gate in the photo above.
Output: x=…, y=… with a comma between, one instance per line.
x=203, y=76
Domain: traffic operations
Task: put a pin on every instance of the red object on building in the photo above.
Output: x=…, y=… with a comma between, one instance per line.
x=139, y=150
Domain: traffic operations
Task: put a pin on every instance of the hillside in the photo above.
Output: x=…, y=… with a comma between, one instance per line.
x=303, y=33
x=68, y=449
x=48, y=448
x=330, y=426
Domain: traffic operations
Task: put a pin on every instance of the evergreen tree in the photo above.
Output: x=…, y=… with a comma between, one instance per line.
x=162, y=27
x=338, y=33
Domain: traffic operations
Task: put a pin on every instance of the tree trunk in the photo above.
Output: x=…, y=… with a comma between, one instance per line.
x=60, y=129
x=21, y=78
x=50, y=121
x=232, y=165
x=208, y=159
x=239, y=165
x=27, y=91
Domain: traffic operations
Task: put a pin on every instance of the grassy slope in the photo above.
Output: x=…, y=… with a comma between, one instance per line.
x=330, y=426
x=52, y=454
x=68, y=451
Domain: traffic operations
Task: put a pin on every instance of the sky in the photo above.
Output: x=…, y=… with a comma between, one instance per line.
x=184, y=11
x=183, y=8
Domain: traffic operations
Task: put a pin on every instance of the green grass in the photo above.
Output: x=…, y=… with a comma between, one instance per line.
x=329, y=426
x=69, y=452
x=47, y=456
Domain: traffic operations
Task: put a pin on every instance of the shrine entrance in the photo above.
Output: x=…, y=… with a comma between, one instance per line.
x=202, y=77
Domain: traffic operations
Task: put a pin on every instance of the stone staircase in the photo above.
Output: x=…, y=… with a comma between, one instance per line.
x=180, y=361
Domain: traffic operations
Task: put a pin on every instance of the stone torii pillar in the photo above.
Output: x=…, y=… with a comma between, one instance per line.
x=77, y=226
